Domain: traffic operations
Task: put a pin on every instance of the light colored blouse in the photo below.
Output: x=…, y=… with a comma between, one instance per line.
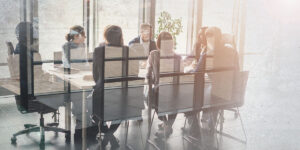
x=153, y=64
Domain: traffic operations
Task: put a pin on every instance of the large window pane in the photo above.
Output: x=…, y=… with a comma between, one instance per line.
x=9, y=70
x=53, y=27
x=178, y=9
x=219, y=13
x=123, y=13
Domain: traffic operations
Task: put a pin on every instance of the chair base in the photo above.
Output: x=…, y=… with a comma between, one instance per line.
x=42, y=130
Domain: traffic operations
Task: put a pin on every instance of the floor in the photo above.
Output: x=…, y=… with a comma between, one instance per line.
x=270, y=116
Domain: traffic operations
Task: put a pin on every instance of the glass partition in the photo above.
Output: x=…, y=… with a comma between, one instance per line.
x=220, y=14
x=124, y=13
x=168, y=11
x=53, y=28
x=9, y=62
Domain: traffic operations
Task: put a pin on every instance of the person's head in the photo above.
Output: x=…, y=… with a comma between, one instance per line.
x=22, y=29
x=113, y=35
x=165, y=42
x=145, y=32
x=213, y=37
x=76, y=34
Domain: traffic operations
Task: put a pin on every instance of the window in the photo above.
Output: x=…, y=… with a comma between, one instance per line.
x=178, y=9
x=123, y=13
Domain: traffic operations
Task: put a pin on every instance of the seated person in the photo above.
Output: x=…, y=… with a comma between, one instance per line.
x=113, y=37
x=13, y=57
x=145, y=39
x=74, y=48
x=75, y=42
x=20, y=33
x=153, y=70
x=199, y=50
x=196, y=65
x=222, y=82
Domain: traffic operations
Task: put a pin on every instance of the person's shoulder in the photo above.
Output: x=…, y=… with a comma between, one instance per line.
x=100, y=48
x=135, y=40
x=65, y=45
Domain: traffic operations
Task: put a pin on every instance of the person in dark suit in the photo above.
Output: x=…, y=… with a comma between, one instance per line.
x=113, y=37
x=145, y=38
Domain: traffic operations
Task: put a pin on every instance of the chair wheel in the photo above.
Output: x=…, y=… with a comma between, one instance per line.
x=13, y=140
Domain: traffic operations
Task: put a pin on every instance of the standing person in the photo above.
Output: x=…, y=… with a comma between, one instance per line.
x=153, y=69
x=145, y=39
x=113, y=37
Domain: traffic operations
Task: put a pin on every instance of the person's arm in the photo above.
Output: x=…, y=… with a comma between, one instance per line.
x=135, y=40
x=149, y=67
x=153, y=67
x=152, y=46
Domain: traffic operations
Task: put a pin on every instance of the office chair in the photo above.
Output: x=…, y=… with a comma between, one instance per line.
x=239, y=91
x=229, y=39
x=42, y=109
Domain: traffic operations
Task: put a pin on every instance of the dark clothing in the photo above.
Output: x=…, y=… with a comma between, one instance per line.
x=137, y=40
x=98, y=52
x=18, y=47
x=97, y=65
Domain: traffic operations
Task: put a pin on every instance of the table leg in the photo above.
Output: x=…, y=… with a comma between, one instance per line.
x=84, y=120
x=68, y=116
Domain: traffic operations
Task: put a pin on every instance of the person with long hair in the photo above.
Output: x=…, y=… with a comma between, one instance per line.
x=165, y=45
x=113, y=36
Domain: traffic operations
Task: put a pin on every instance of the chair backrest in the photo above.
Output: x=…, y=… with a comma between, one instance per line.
x=57, y=56
x=239, y=89
x=114, y=64
x=14, y=66
x=136, y=50
x=10, y=48
x=228, y=38
x=113, y=68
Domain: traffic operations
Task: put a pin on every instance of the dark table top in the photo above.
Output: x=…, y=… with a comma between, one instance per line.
x=179, y=98
x=127, y=104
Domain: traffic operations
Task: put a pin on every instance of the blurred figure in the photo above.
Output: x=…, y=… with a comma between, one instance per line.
x=74, y=45
x=153, y=68
x=222, y=82
x=199, y=49
x=74, y=48
x=20, y=31
x=113, y=37
x=145, y=39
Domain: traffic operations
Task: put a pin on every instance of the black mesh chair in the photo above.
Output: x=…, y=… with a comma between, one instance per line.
x=36, y=106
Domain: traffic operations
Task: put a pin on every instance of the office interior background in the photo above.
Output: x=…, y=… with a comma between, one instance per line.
x=265, y=34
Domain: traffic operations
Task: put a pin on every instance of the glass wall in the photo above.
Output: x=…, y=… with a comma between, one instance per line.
x=176, y=9
x=53, y=26
x=124, y=13
x=9, y=70
x=219, y=13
